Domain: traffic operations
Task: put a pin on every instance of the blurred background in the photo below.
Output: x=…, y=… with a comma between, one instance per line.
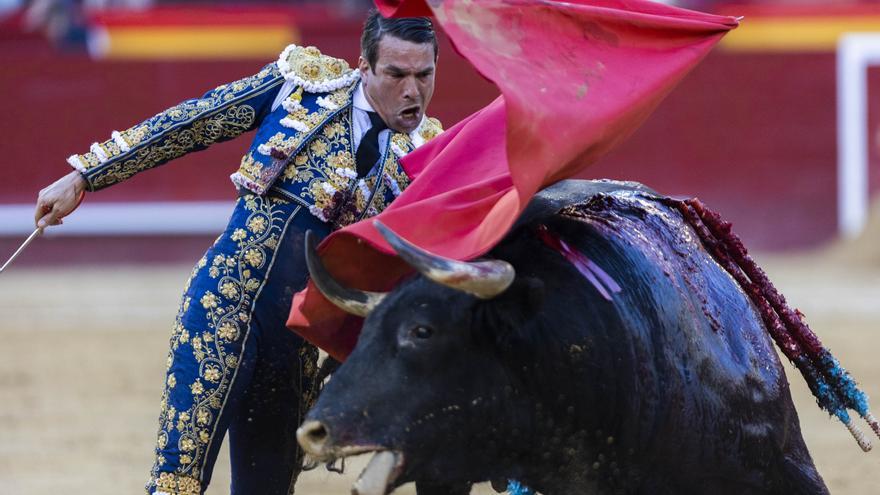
x=778, y=129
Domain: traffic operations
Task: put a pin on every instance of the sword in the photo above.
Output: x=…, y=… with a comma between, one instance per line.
x=36, y=233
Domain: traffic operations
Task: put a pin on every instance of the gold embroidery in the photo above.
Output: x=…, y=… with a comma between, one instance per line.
x=175, y=484
x=431, y=129
x=329, y=179
x=249, y=166
x=319, y=147
x=337, y=179
x=135, y=135
x=402, y=142
x=332, y=130
x=311, y=65
x=257, y=176
x=89, y=160
x=228, y=124
x=227, y=304
x=280, y=141
x=395, y=171
x=301, y=114
x=296, y=96
x=316, y=161
x=180, y=129
x=342, y=159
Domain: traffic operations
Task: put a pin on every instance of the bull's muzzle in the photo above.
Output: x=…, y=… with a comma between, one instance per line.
x=377, y=478
x=313, y=437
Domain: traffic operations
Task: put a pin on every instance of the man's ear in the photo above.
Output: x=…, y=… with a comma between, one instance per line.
x=363, y=65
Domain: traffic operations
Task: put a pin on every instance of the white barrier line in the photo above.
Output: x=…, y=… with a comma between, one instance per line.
x=855, y=53
x=126, y=219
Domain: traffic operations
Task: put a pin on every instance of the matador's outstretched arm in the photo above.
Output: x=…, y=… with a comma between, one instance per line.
x=220, y=114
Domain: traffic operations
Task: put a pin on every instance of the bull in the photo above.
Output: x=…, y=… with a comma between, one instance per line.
x=529, y=366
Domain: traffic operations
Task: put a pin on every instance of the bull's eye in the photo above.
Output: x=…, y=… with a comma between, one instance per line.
x=422, y=332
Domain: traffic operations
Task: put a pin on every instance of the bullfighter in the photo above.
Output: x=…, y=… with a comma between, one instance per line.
x=325, y=154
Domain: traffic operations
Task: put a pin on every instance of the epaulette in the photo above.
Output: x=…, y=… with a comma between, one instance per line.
x=426, y=131
x=313, y=71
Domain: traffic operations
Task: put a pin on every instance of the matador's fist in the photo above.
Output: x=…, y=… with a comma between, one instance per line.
x=59, y=200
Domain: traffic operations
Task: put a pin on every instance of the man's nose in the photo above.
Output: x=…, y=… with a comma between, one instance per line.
x=410, y=88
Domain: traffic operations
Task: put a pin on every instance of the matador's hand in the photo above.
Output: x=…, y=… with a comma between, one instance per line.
x=59, y=199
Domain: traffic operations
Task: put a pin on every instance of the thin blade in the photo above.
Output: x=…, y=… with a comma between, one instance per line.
x=36, y=233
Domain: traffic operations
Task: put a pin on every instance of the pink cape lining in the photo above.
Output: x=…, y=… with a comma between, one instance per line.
x=576, y=78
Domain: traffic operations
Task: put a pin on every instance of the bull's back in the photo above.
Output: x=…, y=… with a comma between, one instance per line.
x=698, y=385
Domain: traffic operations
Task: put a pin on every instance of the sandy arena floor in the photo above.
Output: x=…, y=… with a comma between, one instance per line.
x=82, y=355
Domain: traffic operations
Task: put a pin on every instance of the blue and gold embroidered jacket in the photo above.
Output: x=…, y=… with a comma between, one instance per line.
x=302, y=149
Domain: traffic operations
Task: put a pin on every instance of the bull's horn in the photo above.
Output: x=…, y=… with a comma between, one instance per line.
x=484, y=279
x=356, y=302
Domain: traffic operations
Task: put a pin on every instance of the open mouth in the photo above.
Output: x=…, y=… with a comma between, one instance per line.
x=410, y=113
x=378, y=477
x=380, y=474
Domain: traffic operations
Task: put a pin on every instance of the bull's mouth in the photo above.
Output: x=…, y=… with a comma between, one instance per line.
x=384, y=468
x=378, y=477
x=380, y=474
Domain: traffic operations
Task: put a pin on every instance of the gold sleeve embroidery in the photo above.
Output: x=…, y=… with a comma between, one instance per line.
x=221, y=114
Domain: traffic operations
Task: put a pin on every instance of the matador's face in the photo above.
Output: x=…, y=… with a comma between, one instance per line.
x=401, y=84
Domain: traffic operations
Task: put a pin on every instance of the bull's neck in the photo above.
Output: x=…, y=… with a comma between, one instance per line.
x=576, y=407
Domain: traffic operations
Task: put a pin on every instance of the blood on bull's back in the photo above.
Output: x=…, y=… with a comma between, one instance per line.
x=689, y=377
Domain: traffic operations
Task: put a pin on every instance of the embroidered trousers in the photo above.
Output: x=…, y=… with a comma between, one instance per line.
x=233, y=365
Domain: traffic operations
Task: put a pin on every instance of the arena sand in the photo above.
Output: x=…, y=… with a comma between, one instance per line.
x=82, y=355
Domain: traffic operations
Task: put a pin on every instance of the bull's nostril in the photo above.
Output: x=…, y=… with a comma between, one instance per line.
x=318, y=434
x=313, y=436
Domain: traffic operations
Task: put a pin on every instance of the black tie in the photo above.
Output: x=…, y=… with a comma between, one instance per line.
x=368, y=149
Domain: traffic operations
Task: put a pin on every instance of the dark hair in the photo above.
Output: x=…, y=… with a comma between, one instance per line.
x=414, y=29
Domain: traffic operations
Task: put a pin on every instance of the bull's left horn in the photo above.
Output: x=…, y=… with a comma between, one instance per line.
x=356, y=302
x=483, y=279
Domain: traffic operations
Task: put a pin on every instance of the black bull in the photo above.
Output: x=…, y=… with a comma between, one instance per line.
x=670, y=387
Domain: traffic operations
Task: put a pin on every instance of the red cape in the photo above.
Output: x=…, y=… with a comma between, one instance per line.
x=576, y=78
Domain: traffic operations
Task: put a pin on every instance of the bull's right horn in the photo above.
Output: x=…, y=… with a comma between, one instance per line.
x=484, y=279
x=356, y=302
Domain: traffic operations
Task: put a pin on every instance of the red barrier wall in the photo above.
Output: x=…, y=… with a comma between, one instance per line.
x=58, y=104
x=753, y=134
